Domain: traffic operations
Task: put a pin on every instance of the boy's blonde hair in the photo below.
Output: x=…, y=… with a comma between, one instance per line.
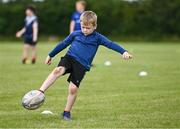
x=82, y=2
x=89, y=17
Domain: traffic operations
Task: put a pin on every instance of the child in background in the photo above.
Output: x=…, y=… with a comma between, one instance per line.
x=75, y=18
x=78, y=59
x=30, y=35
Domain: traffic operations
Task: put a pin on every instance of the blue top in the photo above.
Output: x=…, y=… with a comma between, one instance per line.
x=29, y=20
x=83, y=48
x=76, y=18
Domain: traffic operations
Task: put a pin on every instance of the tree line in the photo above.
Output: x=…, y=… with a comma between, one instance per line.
x=143, y=18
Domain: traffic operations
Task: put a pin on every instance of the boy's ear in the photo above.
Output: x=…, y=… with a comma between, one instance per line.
x=95, y=27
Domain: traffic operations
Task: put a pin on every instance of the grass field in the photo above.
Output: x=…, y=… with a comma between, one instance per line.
x=109, y=97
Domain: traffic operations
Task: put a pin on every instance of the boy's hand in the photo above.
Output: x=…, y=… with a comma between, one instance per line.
x=126, y=56
x=18, y=34
x=48, y=60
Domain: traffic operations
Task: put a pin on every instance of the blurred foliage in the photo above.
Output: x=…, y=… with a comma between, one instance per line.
x=143, y=18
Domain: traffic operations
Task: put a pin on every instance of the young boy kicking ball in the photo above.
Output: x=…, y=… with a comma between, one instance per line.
x=78, y=59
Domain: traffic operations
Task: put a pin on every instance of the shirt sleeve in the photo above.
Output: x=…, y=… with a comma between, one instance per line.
x=62, y=45
x=111, y=45
x=35, y=22
x=73, y=17
x=24, y=22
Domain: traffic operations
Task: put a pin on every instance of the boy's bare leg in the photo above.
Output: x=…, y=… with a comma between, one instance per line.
x=34, y=54
x=71, y=97
x=57, y=72
x=25, y=53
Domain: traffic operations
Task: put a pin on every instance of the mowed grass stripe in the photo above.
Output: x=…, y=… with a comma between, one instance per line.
x=109, y=97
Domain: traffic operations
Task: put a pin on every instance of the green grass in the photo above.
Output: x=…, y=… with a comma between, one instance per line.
x=109, y=97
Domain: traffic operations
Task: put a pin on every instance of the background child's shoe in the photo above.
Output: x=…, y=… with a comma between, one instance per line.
x=33, y=61
x=24, y=61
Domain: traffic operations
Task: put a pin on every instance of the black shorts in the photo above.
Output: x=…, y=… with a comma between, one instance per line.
x=76, y=70
x=28, y=39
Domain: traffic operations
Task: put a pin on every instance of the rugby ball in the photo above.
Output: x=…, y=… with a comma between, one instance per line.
x=33, y=99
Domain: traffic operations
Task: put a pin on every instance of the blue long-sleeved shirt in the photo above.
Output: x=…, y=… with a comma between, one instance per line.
x=83, y=48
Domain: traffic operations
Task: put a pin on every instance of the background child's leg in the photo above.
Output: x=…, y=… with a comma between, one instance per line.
x=57, y=72
x=26, y=48
x=71, y=97
x=34, y=54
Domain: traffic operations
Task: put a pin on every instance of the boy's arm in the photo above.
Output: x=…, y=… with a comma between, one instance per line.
x=72, y=23
x=111, y=45
x=71, y=27
x=35, y=31
x=19, y=33
x=62, y=45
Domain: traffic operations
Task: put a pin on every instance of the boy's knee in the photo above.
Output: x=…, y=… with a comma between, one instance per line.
x=26, y=46
x=58, y=71
x=73, y=89
x=34, y=48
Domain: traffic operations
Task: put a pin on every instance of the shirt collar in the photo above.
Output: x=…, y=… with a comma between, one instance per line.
x=89, y=34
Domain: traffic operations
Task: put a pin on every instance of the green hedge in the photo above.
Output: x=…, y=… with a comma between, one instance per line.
x=145, y=18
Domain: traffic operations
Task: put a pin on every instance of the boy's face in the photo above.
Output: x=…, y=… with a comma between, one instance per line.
x=29, y=12
x=80, y=7
x=87, y=28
